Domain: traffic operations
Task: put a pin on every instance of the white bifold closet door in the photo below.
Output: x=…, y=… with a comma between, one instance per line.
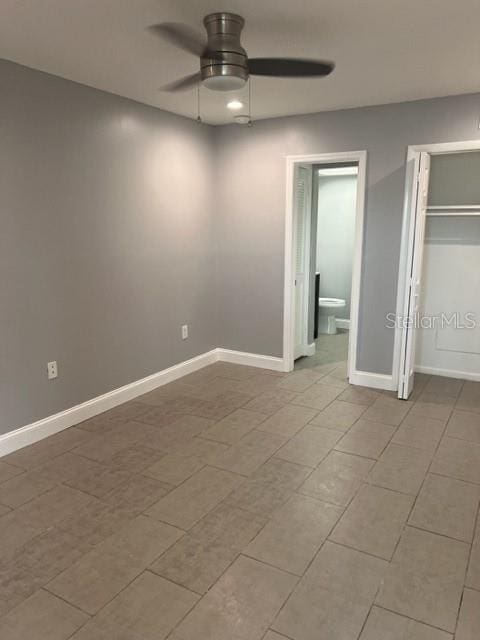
x=302, y=213
x=413, y=284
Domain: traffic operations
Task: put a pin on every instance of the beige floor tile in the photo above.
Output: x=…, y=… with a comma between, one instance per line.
x=47, y=555
x=270, y=401
x=180, y=431
x=135, y=459
x=241, y=459
x=388, y=411
x=300, y=381
x=236, y=425
x=240, y=606
x=96, y=578
x=464, y=425
x=473, y=575
x=41, y=617
x=309, y=446
x=432, y=397
x=148, y=609
x=469, y=398
x=333, y=381
x=401, y=468
x=468, y=627
x=53, y=506
x=444, y=386
x=385, y=625
x=201, y=448
x=15, y=531
x=338, y=415
x=8, y=471
x=366, y=439
x=458, y=459
x=333, y=599
x=294, y=534
x=38, y=453
x=269, y=487
x=23, y=488
x=198, y=559
x=103, y=572
x=318, y=396
x=431, y=410
x=420, y=432
x=174, y=468
x=447, y=506
x=338, y=478
x=360, y=395
x=273, y=635
x=104, y=447
x=95, y=521
x=288, y=420
x=84, y=474
x=425, y=578
x=374, y=521
x=137, y=493
x=189, y=502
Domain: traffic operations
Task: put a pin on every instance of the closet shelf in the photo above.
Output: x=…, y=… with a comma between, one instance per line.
x=453, y=210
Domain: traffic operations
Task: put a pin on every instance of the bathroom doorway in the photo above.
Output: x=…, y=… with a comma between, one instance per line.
x=324, y=233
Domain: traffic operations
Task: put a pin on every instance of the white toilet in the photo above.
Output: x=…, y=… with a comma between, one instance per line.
x=328, y=309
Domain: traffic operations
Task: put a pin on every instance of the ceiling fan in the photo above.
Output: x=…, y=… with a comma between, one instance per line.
x=224, y=64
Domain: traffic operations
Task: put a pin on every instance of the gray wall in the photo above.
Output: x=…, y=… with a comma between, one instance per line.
x=106, y=242
x=251, y=212
x=337, y=196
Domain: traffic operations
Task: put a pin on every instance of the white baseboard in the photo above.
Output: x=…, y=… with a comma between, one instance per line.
x=373, y=380
x=250, y=359
x=448, y=373
x=36, y=431
x=342, y=323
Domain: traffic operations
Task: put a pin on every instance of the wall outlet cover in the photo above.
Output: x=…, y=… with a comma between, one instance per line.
x=52, y=370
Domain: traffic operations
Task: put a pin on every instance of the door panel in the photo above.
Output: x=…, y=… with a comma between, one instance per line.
x=302, y=205
x=414, y=262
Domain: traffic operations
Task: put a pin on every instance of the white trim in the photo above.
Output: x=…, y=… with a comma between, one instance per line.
x=250, y=359
x=310, y=349
x=289, y=307
x=448, y=373
x=342, y=323
x=413, y=155
x=373, y=380
x=51, y=425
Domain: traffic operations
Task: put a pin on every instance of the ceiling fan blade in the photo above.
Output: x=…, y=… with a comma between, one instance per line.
x=289, y=67
x=182, y=36
x=183, y=84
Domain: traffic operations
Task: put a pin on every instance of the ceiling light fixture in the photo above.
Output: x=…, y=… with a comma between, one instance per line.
x=234, y=105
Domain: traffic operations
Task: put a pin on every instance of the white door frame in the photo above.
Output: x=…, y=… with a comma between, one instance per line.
x=413, y=156
x=289, y=282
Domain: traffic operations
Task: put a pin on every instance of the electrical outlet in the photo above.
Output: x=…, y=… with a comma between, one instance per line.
x=52, y=370
x=184, y=331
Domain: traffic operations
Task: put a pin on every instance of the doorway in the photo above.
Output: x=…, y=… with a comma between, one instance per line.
x=324, y=236
x=438, y=311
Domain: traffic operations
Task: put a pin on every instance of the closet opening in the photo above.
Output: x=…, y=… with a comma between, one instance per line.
x=438, y=316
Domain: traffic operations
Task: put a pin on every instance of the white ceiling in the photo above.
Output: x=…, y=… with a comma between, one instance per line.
x=385, y=50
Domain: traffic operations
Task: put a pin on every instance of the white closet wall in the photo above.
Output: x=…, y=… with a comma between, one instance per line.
x=451, y=271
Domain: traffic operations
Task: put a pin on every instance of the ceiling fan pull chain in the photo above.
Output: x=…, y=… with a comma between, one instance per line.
x=199, y=118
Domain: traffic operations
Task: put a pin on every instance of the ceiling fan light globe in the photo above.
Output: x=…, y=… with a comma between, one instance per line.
x=224, y=83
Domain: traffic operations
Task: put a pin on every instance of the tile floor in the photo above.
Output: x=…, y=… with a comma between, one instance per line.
x=241, y=504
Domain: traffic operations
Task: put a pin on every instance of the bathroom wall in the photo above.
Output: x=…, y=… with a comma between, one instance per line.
x=335, y=237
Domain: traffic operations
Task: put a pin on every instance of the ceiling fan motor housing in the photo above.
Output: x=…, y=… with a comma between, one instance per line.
x=227, y=69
